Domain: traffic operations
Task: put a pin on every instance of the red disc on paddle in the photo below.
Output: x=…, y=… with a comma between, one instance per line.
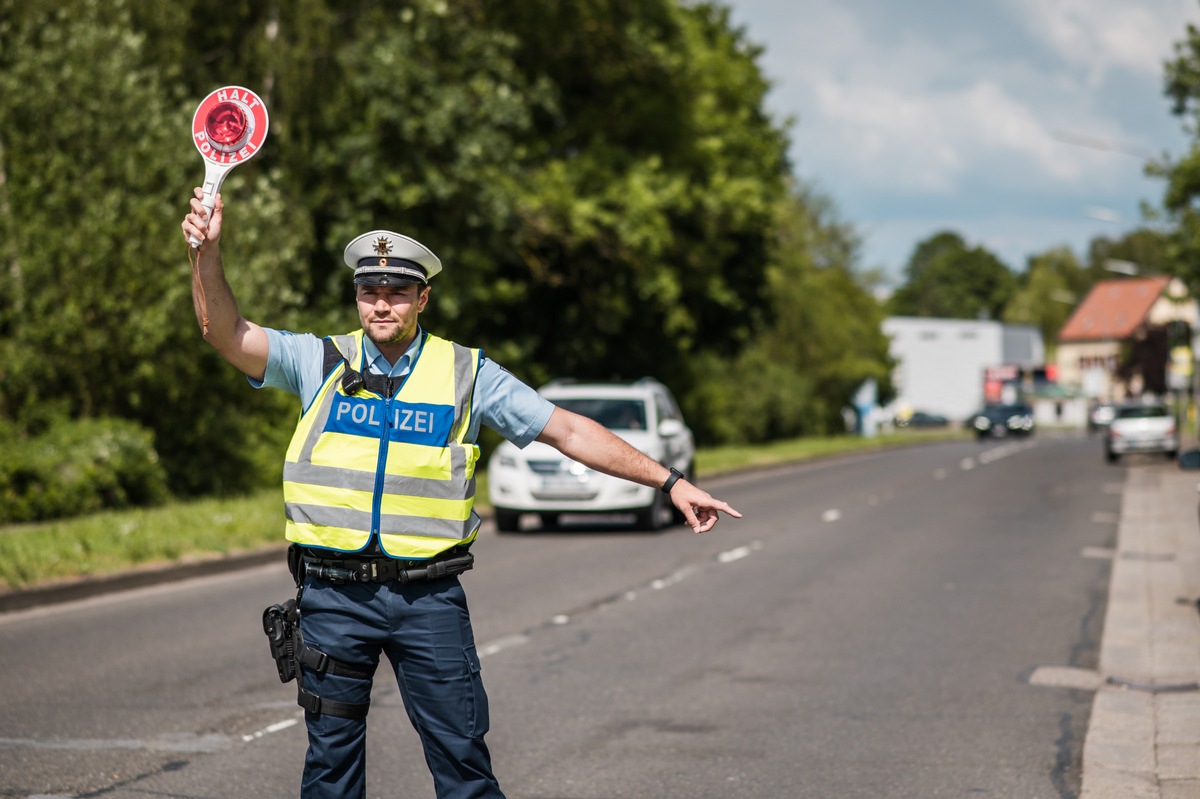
x=230, y=125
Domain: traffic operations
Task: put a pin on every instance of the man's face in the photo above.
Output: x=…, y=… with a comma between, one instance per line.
x=389, y=313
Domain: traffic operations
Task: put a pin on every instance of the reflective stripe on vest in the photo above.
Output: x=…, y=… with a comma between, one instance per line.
x=398, y=467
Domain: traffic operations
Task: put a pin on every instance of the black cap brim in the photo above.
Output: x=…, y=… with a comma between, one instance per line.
x=386, y=279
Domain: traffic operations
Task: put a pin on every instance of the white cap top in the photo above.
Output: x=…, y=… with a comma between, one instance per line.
x=384, y=258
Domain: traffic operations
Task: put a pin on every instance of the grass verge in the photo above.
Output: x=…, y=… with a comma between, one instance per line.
x=117, y=541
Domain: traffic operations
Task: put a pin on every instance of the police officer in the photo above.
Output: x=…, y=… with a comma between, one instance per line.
x=379, y=488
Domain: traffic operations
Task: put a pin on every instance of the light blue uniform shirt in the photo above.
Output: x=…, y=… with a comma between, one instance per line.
x=501, y=401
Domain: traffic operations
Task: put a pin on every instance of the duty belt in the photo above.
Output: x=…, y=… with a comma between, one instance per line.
x=385, y=570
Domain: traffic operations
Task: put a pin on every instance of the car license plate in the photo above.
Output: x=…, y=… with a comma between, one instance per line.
x=562, y=483
x=565, y=486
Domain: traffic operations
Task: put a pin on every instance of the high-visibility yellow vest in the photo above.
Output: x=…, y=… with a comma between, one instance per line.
x=363, y=464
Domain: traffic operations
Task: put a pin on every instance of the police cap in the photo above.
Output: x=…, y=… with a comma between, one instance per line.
x=384, y=258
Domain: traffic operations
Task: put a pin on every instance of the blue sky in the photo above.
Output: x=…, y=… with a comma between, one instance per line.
x=1020, y=124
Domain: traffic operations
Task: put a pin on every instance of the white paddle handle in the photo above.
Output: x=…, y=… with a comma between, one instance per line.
x=214, y=176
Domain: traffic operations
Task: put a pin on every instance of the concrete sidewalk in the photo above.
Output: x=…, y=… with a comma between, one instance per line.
x=1143, y=739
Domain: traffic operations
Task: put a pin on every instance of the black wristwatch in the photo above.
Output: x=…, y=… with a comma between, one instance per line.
x=671, y=481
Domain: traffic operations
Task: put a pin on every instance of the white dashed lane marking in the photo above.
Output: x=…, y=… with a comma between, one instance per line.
x=733, y=554
x=276, y=727
x=658, y=584
x=500, y=644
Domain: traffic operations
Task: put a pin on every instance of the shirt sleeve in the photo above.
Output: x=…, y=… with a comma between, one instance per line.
x=293, y=364
x=508, y=406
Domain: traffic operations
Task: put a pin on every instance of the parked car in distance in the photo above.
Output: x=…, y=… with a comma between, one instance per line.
x=921, y=419
x=1141, y=427
x=1100, y=416
x=539, y=479
x=998, y=421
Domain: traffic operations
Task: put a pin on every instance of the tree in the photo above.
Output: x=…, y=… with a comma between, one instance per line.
x=601, y=179
x=1182, y=175
x=825, y=340
x=650, y=215
x=1145, y=248
x=97, y=316
x=1047, y=293
x=945, y=278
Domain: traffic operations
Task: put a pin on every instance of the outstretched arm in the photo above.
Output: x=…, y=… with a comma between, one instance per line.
x=593, y=445
x=240, y=341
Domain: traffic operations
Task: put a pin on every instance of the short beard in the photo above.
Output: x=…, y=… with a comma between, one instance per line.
x=400, y=335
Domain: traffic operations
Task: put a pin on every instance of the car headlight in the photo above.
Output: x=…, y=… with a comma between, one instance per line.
x=982, y=423
x=507, y=462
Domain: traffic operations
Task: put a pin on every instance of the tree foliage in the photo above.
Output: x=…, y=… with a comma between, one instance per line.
x=825, y=340
x=1182, y=174
x=1143, y=248
x=1047, y=293
x=600, y=178
x=945, y=278
x=96, y=301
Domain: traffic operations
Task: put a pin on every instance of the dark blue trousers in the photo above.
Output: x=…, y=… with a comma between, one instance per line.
x=424, y=630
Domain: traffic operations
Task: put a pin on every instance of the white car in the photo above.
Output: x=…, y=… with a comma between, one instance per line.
x=539, y=479
x=1141, y=427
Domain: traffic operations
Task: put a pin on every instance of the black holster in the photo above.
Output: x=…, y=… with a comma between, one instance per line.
x=281, y=623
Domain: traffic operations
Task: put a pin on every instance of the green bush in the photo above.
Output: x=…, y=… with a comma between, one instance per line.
x=757, y=400
x=76, y=467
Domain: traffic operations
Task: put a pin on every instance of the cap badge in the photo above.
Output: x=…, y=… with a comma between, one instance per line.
x=383, y=261
x=382, y=246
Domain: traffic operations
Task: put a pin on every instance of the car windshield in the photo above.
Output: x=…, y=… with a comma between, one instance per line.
x=1141, y=411
x=615, y=414
x=1004, y=411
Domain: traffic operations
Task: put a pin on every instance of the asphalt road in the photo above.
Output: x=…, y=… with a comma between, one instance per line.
x=867, y=630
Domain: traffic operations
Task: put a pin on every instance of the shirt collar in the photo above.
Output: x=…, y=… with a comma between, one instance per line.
x=379, y=365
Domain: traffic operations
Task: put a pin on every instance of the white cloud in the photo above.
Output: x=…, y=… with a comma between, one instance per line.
x=1007, y=118
x=923, y=124
x=1103, y=35
x=881, y=136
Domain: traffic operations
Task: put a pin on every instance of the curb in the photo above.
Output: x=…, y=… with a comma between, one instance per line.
x=88, y=587
x=1143, y=738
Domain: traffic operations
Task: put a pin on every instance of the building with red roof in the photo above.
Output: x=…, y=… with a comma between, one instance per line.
x=1115, y=314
